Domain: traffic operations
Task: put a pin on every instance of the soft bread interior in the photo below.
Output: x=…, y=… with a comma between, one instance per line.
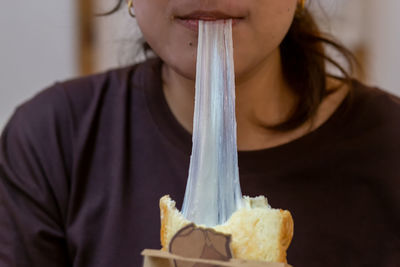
x=258, y=231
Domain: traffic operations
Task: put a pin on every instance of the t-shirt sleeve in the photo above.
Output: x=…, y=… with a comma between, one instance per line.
x=34, y=159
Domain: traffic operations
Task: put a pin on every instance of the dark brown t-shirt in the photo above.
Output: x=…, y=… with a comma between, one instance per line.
x=84, y=163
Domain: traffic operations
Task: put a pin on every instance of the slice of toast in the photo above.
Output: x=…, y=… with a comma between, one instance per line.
x=258, y=231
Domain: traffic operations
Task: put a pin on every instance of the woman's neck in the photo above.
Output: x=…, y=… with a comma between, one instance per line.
x=262, y=98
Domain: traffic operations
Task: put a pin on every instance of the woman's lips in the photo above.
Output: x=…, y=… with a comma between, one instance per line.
x=191, y=20
x=193, y=24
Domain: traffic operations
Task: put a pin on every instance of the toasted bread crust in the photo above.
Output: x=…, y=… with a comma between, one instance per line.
x=172, y=221
x=286, y=234
x=164, y=222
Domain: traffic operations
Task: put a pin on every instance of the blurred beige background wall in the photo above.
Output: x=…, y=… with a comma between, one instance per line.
x=38, y=42
x=382, y=36
x=37, y=47
x=371, y=29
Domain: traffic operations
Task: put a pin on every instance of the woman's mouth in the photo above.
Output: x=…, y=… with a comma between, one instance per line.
x=191, y=21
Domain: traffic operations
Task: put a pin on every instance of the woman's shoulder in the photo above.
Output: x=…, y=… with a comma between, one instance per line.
x=76, y=96
x=64, y=106
x=372, y=113
x=114, y=82
x=375, y=103
x=374, y=95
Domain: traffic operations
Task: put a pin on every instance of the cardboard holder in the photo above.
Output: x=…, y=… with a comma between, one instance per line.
x=158, y=258
x=199, y=247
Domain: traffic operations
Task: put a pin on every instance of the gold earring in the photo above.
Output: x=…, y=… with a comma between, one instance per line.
x=130, y=7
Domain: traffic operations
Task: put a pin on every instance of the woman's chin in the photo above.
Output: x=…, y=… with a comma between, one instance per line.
x=186, y=66
x=185, y=69
x=188, y=71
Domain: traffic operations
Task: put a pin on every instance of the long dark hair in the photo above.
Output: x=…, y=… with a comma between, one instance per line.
x=304, y=61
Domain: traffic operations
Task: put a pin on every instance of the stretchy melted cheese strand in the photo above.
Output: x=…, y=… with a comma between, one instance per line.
x=213, y=190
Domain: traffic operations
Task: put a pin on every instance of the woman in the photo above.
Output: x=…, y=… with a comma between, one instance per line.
x=84, y=163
